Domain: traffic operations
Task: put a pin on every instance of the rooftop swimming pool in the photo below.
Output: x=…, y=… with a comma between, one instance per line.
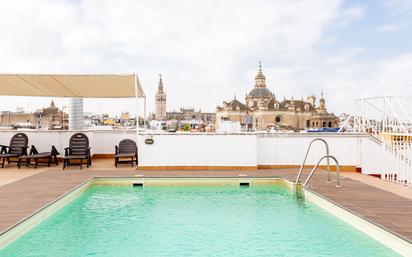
x=192, y=220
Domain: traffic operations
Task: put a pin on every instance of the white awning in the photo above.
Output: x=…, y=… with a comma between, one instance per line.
x=84, y=86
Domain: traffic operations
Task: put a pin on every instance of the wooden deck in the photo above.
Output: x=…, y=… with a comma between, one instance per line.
x=25, y=196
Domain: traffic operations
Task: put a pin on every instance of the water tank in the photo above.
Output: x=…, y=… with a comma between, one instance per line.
x=75, y=109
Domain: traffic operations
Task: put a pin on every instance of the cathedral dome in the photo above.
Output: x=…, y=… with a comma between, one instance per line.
x=260, y=89
x=260, y=92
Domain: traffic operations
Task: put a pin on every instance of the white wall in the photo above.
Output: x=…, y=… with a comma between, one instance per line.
x=214, y=149
x=277, y=149
x=105, y=140
x=371, y=155
x=349, y=149
x=199, y=150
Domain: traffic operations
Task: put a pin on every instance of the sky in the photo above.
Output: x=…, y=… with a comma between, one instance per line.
x=208, y=51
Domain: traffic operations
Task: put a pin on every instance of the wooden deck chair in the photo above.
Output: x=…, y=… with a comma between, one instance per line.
x=18, y=147
x=78, y=149
x=127, y=150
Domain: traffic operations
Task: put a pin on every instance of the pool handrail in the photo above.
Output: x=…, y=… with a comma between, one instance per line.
x=306, y=156
x=316, y=166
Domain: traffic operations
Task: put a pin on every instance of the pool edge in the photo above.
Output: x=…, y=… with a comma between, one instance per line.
x=385, y=237
x=26, y=224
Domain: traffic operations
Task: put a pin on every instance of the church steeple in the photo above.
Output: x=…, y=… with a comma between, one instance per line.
x=160, y=87
x=160, y=101
x=260, y=79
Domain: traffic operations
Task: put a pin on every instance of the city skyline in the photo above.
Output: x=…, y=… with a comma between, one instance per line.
x=347, y=49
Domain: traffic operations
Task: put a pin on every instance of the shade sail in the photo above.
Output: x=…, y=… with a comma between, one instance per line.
x=84, y=86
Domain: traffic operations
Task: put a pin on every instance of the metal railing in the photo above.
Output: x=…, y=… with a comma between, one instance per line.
x=316, y=166
x=306, y=156
x=397, y=158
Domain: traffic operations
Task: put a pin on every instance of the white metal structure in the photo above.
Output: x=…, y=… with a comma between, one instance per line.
x=386, y=114
x=397, y=154
x=388, y=119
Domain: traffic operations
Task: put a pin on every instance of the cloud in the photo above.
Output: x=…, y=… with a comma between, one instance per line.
x=355, y=12
x=206, y=50
x=351, y=14
x=390, y=27
x=201, y=47
x=399, y=5
x=344, y=78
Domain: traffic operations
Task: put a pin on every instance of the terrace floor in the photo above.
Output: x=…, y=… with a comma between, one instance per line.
x=26, y=190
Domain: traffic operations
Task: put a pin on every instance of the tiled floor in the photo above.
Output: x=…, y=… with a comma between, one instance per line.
x=25, y=191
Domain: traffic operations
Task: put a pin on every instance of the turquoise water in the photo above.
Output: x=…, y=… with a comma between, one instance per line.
x=192, y=221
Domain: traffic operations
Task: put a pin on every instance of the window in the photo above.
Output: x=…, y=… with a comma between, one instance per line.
x=307, y=107
x=255, y=104
x=324, y=124
x=330, y=124
x=308, y=123
x=277, y=119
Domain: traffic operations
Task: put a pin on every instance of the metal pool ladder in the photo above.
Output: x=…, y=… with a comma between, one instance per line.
x=306, y=156
x=327, y=156
x=316, y=167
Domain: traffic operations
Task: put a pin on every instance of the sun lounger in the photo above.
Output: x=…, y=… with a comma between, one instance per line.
x=43, y=157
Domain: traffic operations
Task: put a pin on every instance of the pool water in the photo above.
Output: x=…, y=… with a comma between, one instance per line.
x=192, y=221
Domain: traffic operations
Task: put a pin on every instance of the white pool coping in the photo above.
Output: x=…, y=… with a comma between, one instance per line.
x=36, y=218
x=390, y=240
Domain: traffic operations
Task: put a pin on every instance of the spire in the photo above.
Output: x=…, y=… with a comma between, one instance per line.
x=160, y=82
x=160, y=86
x=260, y=78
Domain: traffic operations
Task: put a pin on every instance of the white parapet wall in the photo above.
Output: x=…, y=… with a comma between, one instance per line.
x=227, y=150
x=249, y=150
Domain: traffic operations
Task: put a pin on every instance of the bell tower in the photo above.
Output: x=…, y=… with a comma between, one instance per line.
x=160, y=101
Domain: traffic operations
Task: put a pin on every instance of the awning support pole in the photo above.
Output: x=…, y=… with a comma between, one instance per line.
x=145, y=117
x=136, y=93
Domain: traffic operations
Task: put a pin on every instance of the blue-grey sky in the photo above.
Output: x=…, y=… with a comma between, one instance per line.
x=208, y=51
